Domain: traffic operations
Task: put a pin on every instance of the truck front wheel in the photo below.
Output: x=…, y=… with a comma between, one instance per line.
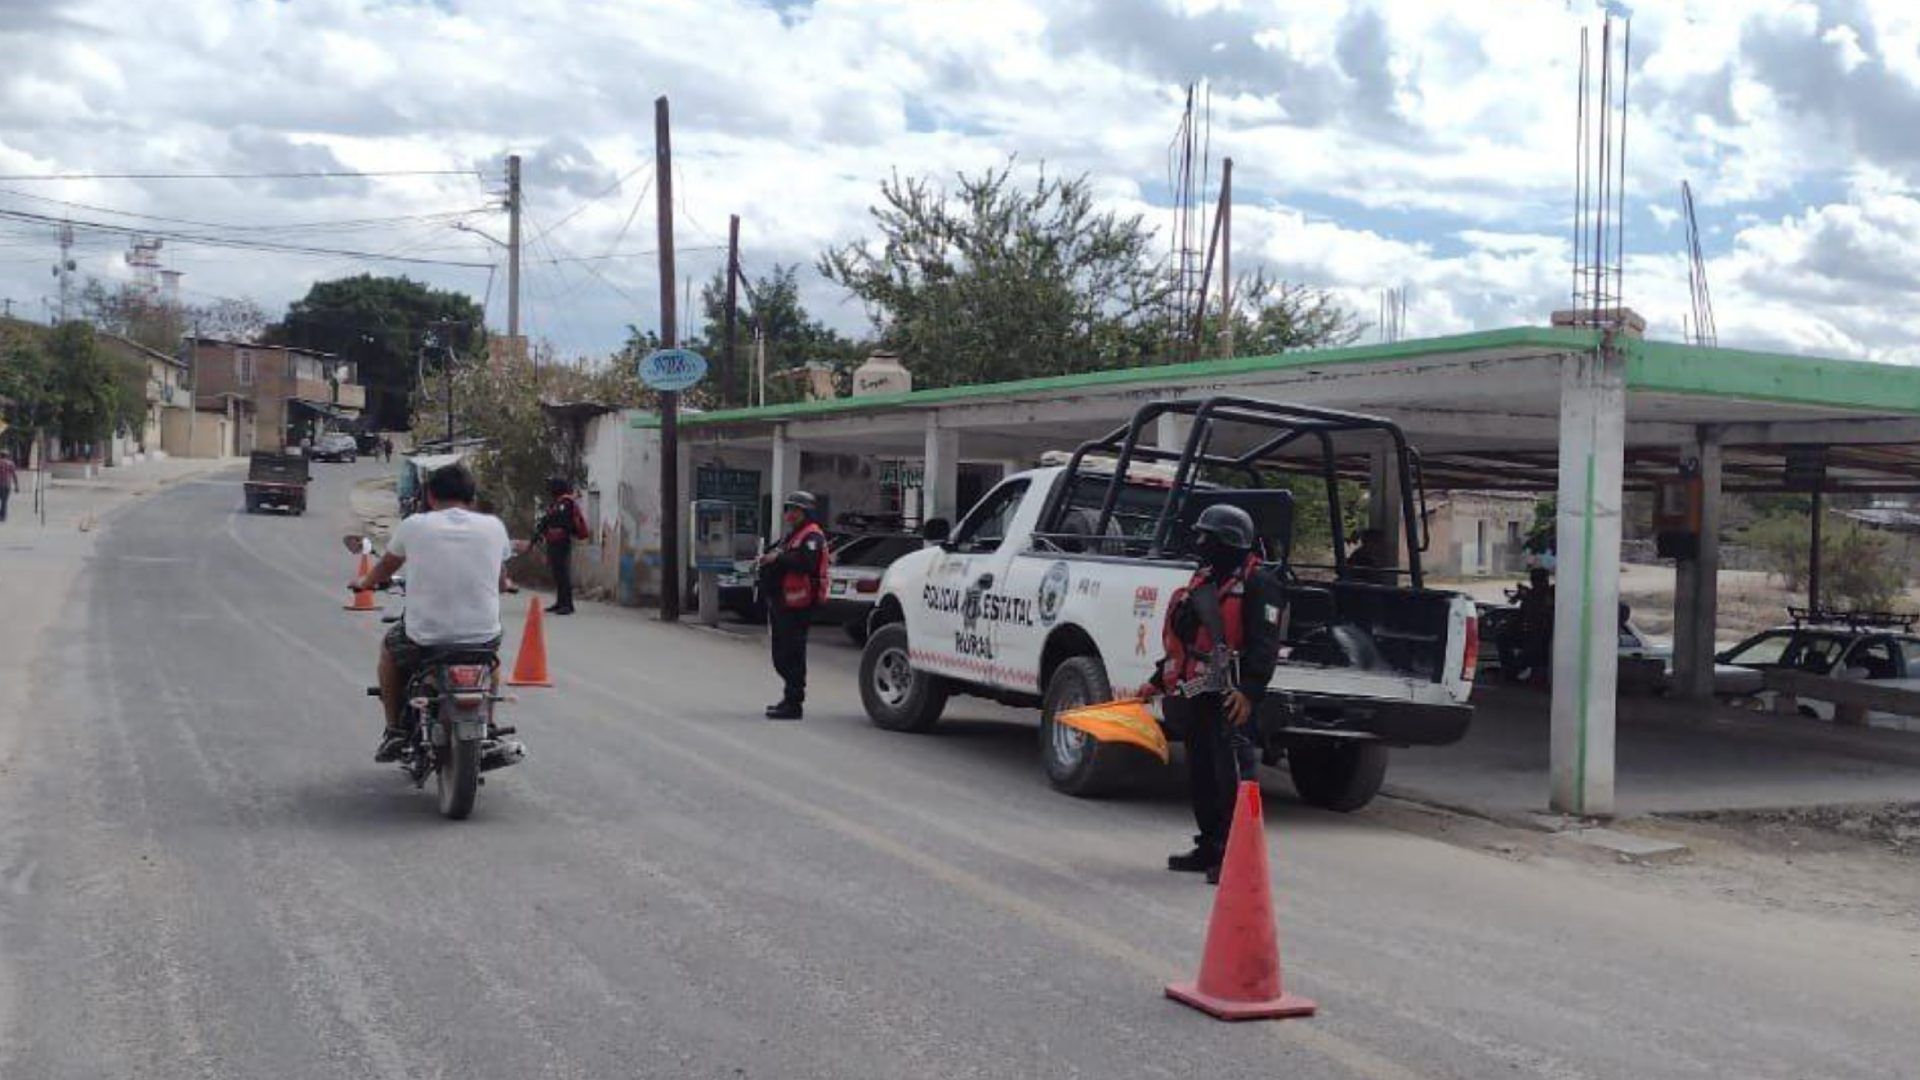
x=897, y=697
x=1337, y=774
x=1076, y=763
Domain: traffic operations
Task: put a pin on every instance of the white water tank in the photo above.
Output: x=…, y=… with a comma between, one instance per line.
x=882, y=373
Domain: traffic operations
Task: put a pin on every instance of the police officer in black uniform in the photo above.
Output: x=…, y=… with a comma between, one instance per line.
x=792, y=581
x=1232, y=599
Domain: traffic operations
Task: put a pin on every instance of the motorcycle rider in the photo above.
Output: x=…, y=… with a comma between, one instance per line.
x=457, y=569
x=1228, y=601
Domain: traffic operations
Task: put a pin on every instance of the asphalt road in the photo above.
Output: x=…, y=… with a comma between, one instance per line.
x=202, y=874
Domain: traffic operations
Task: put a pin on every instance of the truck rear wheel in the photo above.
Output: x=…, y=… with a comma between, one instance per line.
x=897, y=697
x=1337, y=774
x=1076, y=763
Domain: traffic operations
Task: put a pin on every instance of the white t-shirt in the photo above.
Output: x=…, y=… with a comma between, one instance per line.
x=453, y=575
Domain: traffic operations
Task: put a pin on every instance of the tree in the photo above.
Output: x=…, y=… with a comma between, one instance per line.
x=383, y=324
x=136, y=314
x=793, y=336
x=27, y=400
x=132, y=313
x=1272, y=317
x=94, y=394
x=995, y=281
x=500, y=404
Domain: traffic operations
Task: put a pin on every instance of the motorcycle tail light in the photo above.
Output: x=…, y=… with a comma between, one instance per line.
x=1470, y=657
x=467, y=676
x=867, y=585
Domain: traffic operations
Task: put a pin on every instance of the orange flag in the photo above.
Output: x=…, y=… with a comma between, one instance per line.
x=1125, y=721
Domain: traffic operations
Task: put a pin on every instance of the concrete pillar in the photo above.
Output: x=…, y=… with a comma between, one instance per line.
x=1383, y=502
x=1587, y=581
x=941, y=479
x=782, y=479
x=1696, y=608
x=1171, y=431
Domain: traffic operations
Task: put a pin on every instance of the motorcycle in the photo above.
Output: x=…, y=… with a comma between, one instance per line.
x=447, y=712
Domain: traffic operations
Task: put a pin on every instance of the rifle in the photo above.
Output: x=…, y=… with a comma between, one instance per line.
x=1223, y=664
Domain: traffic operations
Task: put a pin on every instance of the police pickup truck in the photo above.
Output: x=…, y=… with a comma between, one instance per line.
x=1052, y=590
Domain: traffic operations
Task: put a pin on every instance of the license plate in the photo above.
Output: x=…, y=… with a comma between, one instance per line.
x=838, y=588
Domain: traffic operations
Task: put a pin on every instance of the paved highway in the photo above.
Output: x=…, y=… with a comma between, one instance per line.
x=203, y=874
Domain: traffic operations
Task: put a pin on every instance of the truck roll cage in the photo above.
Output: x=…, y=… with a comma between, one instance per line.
x=1289, y=424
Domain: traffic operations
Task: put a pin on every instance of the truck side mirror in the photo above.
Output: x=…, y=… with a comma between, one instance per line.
x=936, y=531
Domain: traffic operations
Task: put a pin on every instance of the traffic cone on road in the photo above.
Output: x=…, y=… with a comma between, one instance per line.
x=530, y=665
x=1240, y=969
x=363, y=598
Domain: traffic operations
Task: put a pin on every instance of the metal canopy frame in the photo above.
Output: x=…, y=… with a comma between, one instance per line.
x=1290, y=424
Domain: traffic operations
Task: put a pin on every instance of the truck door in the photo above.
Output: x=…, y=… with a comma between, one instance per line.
x=971, y=584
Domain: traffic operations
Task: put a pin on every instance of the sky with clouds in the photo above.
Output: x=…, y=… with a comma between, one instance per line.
x=1376, y=143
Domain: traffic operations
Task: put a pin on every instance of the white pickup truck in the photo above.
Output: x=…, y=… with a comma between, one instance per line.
x=1052, y=590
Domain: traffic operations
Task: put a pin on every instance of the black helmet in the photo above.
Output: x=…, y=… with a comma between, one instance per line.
x=1229, y=525
x=803, y=500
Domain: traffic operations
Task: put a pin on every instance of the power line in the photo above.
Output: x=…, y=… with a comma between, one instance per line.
x=305, y=226
x=228, y=242
x=334, y=174
x=584, y=203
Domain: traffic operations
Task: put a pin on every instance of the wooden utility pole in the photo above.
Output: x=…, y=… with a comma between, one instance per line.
x=1226, y=257
x=733, y=305
x=669, y=399
x=513, y=253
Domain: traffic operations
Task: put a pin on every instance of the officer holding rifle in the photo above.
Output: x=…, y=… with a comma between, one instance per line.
x=1222, y=639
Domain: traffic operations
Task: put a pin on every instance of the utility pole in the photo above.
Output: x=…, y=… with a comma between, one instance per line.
x=513, y=253
x=1226, y=256
x=669, y=399
x=64, y=268
x=733, y=302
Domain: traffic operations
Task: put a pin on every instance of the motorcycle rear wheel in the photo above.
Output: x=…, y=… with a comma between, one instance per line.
x=458, y=778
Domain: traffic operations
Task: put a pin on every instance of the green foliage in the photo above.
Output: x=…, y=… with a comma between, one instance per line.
x=1859, y=567
x=383, y=324
x=1272, y=317
x=1542, y=535
x=500, y=403
x=1783, y=541
x=996, y=281
x=770, y=305
x=91, y=394
x=27, y=397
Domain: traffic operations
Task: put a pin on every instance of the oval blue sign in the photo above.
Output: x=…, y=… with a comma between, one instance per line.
x=672, y=369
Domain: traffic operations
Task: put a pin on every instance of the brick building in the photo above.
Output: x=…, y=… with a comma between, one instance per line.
x=288, y=394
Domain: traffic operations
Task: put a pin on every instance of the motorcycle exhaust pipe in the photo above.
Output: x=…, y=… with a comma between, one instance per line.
x=500, y=754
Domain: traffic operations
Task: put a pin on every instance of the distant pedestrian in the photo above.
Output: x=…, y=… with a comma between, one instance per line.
x=8, y=477
x=558, y=528
x=793, y=579
x=386, y=448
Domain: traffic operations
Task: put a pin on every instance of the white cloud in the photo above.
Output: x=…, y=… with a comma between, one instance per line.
x=1431, y=142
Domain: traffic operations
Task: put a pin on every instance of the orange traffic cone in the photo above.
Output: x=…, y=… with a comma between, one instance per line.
x=363, y=598
x=530, y=666
x=1240, y=970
